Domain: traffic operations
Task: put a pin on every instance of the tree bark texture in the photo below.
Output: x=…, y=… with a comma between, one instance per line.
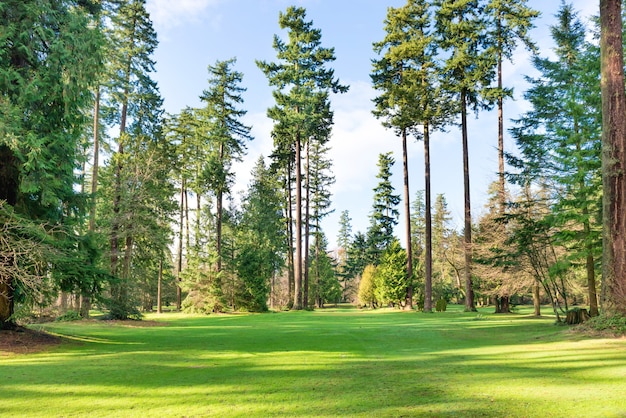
x=537, y=300
x=613, y=156
x=469, y=289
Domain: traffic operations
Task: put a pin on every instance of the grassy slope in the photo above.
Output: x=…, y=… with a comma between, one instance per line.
x=325, y=363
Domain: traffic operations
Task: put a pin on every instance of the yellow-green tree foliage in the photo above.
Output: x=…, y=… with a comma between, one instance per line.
x=366, y=286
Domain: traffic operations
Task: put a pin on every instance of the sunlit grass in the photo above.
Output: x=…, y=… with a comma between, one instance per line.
x=328, y=363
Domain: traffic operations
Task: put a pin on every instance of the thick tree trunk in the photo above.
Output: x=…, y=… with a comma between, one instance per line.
x=537, y=300
x=7, y=305
x=408, y=302
x=9, y=176
x=9, y=187
x=503, y=304
x=428, y=261
x=613, y=155
x=469, y=289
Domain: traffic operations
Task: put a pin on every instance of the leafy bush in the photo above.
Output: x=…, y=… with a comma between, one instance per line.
x=69, y=316
x=122, y=310
x=441, y=305
x=607, y=322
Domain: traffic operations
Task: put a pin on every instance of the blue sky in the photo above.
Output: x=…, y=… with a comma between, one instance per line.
x=195, y=33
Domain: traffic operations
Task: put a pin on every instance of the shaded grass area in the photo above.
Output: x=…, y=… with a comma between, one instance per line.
x=328, y=363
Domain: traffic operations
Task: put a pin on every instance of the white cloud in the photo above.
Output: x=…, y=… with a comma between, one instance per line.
x=167, y=14
x=357, y=140
x=262, y=144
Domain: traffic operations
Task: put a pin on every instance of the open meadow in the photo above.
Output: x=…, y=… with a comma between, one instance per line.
x=328, y=363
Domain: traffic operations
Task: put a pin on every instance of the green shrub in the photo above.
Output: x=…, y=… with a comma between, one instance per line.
x=69, y=316
x=441, y=305
x=607, y=322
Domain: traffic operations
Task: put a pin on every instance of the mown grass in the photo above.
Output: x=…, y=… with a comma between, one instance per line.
x=327, y=363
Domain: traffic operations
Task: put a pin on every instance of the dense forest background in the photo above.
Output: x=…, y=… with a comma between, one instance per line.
x=108, y=202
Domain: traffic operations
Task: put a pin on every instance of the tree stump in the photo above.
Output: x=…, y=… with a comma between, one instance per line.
x=577, y=316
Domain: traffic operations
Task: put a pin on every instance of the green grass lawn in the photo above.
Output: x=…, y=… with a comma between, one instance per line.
x=327, y=363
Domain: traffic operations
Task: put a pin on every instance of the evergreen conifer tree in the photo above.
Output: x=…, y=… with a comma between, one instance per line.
x=302, y=83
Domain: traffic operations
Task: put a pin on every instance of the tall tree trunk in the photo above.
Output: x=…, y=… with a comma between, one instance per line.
x=428, y=235
x=502, y=302
x=85, y=298
x=613, y=155
x=297, y=297
x=116, y=290
x=501, y=179
x=96, y=154
x=179, y=264
x=9, y=187
x=469, y=290
x=219, y=213
x=196, y=241
x=305, y=287
x=318, y=296
x=187, y=227
x=408, y=302
x=290, y=250
x=160, y=286
x=590, y=262
x=218, y=229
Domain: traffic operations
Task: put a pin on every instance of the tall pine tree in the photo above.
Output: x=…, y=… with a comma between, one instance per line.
x=135, y=110
x=467, y=74
x=559, y=140
x=49, y=58
x=302, y=81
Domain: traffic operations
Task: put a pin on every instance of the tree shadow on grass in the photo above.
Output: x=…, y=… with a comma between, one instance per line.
x=303, y=366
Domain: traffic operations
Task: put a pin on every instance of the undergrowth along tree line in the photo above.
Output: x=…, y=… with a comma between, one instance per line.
x=107, y=200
